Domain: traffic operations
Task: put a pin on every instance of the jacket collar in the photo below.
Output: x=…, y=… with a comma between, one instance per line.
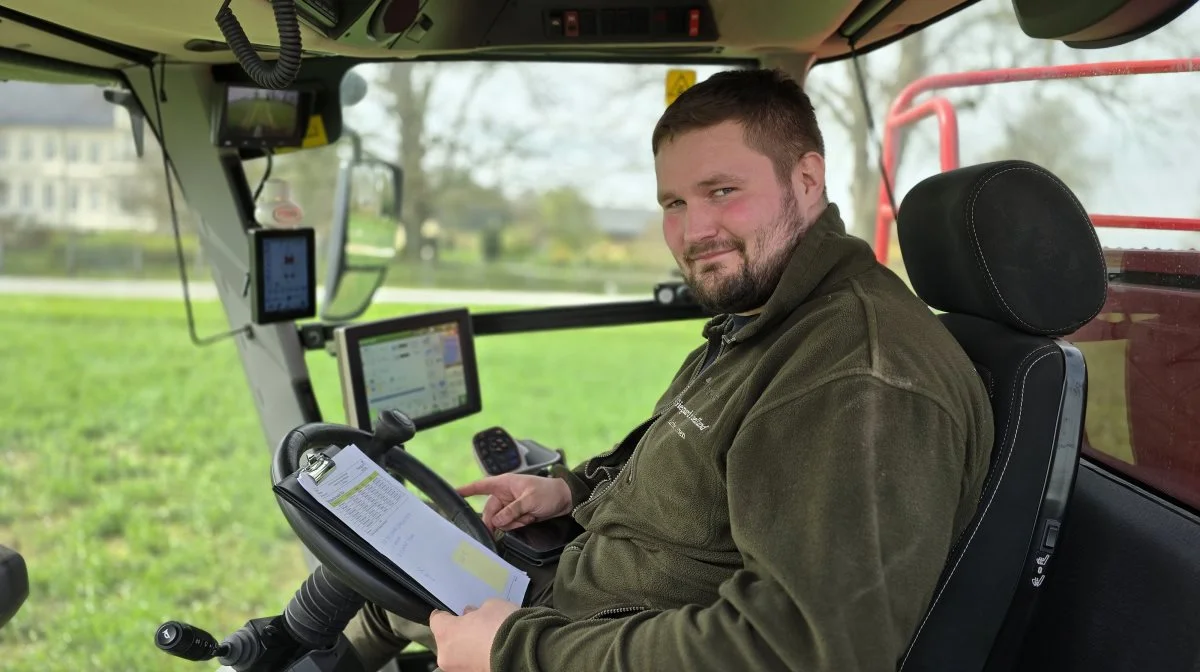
x=824, y=255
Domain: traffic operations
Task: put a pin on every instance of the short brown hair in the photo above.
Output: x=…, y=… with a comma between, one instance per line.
x=777, y=115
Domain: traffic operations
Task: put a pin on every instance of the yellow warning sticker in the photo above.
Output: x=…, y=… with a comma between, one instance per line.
x=679, y=81
x=315, y=137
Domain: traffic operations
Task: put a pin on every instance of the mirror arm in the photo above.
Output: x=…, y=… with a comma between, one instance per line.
x=316, y=336
x=137, y=119
x=355, y=144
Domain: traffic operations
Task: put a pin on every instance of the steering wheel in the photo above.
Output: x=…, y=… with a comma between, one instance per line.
x=392, y=432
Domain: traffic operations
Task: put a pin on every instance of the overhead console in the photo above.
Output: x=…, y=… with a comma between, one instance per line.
x=418, y=25
x=606, y=22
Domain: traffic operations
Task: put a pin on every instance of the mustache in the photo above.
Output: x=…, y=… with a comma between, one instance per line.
x=703, y=249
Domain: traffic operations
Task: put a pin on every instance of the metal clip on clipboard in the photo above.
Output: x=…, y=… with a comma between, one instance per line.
x=317, y=464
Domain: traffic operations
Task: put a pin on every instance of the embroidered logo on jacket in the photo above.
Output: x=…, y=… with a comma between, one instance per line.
x=687, y=414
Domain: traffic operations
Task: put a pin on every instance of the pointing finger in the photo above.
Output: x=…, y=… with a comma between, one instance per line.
x=484, y=486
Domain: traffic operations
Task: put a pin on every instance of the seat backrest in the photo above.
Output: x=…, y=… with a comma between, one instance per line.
x=1008, y=254
x=14, y=583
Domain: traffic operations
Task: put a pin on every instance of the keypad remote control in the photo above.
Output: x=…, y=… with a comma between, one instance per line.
x=497, y=451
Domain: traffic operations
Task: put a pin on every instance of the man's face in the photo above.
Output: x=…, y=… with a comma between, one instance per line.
x=727, y=219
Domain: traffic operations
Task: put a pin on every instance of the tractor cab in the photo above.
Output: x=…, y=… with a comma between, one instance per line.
x=421, y=238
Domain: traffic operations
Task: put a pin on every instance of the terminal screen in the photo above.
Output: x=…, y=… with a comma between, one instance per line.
x=286, y=285
x=419, y=372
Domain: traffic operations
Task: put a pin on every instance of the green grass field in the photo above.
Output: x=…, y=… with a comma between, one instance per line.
x=135, y=479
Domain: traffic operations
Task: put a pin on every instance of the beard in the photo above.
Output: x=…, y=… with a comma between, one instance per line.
x=750, y=285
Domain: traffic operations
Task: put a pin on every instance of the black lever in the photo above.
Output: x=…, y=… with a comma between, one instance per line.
x=393, y=429
x=188, y=642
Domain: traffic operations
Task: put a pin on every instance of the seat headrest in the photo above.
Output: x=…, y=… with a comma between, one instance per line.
x=1006, y=241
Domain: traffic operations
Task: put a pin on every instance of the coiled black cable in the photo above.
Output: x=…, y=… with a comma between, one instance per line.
x=321, y=609
x=281, y=73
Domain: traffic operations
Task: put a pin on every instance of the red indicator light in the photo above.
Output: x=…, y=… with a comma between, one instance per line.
x=693, y=22
x=571, y=24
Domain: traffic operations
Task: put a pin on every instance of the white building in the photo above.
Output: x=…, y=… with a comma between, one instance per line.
x=67, y=159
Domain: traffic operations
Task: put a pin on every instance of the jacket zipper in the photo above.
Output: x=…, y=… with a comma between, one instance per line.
x=616, y=610
x=627, y=467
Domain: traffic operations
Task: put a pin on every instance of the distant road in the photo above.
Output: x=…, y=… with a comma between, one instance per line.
x=173, y=290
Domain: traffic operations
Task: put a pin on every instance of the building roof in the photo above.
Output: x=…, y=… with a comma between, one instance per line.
x=38, y=104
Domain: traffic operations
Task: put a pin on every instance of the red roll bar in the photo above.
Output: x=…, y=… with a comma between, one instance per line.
x=903, y=113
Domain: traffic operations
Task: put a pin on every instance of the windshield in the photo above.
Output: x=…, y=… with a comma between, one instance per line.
x=517, y=176
x=133, y=473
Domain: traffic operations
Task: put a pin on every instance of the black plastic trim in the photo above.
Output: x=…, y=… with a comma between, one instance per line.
x=134, y=55
x=315, y=336
x=1061, y=473
x=1155, y=279
x=871, y=22
x=895, y=38
x=581, y=317
x=1126, y=480
x=24, y=59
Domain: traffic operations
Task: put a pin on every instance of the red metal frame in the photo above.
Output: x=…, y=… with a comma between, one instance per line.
x=903, y=113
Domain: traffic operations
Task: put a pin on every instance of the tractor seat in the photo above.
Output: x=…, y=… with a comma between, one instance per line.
x=1008, y=254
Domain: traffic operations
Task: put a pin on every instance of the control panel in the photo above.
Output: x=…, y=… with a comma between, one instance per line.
x=418, y=25
x=623, y=23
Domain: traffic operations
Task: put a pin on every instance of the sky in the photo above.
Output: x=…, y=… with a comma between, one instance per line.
x=589, y=125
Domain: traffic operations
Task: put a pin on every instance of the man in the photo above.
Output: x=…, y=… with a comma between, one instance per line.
x=792, y=499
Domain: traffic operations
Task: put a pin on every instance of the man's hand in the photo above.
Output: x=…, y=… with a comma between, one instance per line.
x=464, y=643
x=516, y=500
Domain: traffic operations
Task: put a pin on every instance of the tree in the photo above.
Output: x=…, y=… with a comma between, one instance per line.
x=567, y=219
x=1036, y=134
x=435, y=157
x=467, y=206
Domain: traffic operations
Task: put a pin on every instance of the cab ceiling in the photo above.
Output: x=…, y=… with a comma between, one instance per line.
x=747, y=28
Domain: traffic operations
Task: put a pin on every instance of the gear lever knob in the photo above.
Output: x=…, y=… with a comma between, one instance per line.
x=394, y=429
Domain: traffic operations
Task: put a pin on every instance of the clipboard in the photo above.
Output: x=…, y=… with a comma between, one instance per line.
x=318, y=464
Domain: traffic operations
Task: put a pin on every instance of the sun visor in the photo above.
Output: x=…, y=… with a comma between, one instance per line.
x=1096, y=24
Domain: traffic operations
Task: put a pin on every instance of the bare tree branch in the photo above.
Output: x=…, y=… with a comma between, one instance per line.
x=1104, y=93
x=837, y=102
x=454, y=143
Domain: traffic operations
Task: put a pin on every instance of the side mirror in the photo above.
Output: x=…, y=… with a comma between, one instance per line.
x=14, y=583
x=363, y=239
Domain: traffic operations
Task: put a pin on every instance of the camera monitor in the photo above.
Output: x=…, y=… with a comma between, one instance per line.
x=422, y=365
x=248, y=116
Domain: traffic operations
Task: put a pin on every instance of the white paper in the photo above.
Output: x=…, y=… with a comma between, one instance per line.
x=457, y=569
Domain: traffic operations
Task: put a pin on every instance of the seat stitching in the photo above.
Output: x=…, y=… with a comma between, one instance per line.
x=975, y=192
x=992, y=498
x=1087, y=221
x=982, y=259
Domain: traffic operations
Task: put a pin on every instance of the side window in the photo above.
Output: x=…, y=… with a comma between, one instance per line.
x=1143, y=354
x=1119, y=133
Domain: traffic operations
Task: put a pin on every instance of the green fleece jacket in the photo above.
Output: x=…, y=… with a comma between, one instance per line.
x=791, y=507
